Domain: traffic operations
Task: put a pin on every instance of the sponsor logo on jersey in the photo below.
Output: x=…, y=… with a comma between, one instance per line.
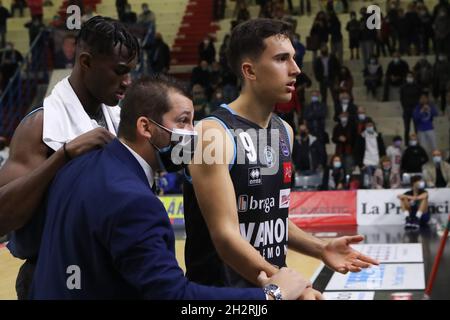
x=244, y=204
x=269, y=156
x=284, y=148
x=287, y=172
x=254, y=176
x=285, y=197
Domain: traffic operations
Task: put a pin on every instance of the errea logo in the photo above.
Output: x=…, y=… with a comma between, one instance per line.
x=254, y=176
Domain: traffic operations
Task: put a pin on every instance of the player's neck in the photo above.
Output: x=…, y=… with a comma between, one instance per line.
x=89, y=103
x=251, y=107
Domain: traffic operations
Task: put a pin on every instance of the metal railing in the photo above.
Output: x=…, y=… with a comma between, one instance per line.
x=21, y=89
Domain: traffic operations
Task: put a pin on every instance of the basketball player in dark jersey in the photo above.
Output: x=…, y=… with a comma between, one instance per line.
x=236, y=206
x=106, y=53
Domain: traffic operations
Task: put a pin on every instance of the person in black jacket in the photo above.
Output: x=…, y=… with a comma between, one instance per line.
x=326, y=69
x=160, y=55
x=409, y=97
x=395, y=74
x=414, y=156
x=308, y=155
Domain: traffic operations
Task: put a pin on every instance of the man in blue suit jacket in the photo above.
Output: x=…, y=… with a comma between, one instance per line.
x=107, y=235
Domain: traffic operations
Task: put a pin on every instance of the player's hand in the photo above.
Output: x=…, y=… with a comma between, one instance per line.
x=339, y=256
x=311, y=294
x=88, y=141
x=291, y=283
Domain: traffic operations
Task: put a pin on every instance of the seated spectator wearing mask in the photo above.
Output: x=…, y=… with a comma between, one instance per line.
x=414, y=204
x=308, y=155
x=386, y=177
x=334, y=177
x=314, y=115
x=437, y=174
x=414, y=156
x=394, y=152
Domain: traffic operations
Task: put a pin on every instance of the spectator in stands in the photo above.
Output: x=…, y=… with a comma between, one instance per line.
x=336, y=35
x=303, y=82
x=128, y=16
x=395, y=74
x=4, y=150
x=373, y=76
x=160, y=55
x=344, y=138
x=146, y=16
x=441, y=28
x=319, y=33
x=314, y=115
x=413, y=22
x=414, y=204
x=394, y=153
x=369, y=148
x=392, y=17
x=65, y=58
x=345, y=81
x=423, y=73
x=409, y=97
x=426, y=28
x=367, y=37
x=223, y=59
x=201, y=75
x=200, y=101
x=18, y=5
x=326, y=70
x=4, y=15
x=36, y=9
x=300, y=50
x=345, y=104
x=354, y=31
x=88, y=13
x=242, y=14
x=10, y=60
x=302, y=7
x=308, y=154
x=217, y=99
x=206, y=50
x=423, y=115
x=289, y=111
x=361, y=120
x=441, y=79
x=35, y=26
x=334, y=177
x=414, y=156
x=382, y=39
x=120, y=7
x=386, y=177
x=437, y=174
x=170, y=183
x=403, y=26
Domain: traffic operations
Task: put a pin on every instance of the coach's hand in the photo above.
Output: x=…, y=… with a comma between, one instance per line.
x=291, y=283
x=88, y=141
x=339, y=256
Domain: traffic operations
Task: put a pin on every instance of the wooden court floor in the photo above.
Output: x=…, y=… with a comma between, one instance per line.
x=9, y=266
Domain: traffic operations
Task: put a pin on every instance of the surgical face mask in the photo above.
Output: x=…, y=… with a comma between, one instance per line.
x=373, y=61
x=344, y=121
x=337, y=164
x=370, y=129
x=409, y=79
x=387, y=167
x=441, y=58
x=315, y=99
x=180, y=150
x=345, y=101
x=413, y=143
x=396, y=60
x=437, y=159
x=361, y=116
x=398, y=143
x=421, y=185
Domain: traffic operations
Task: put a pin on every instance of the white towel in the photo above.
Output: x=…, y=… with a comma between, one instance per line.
x=65, y=118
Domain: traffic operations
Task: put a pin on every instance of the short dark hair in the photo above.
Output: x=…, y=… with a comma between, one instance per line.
x=101, y=35
x=247, y=40
x=414, y=179
x=147, y=97
x=396, y=138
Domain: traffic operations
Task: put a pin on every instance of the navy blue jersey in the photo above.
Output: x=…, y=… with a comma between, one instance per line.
x=261, y=176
